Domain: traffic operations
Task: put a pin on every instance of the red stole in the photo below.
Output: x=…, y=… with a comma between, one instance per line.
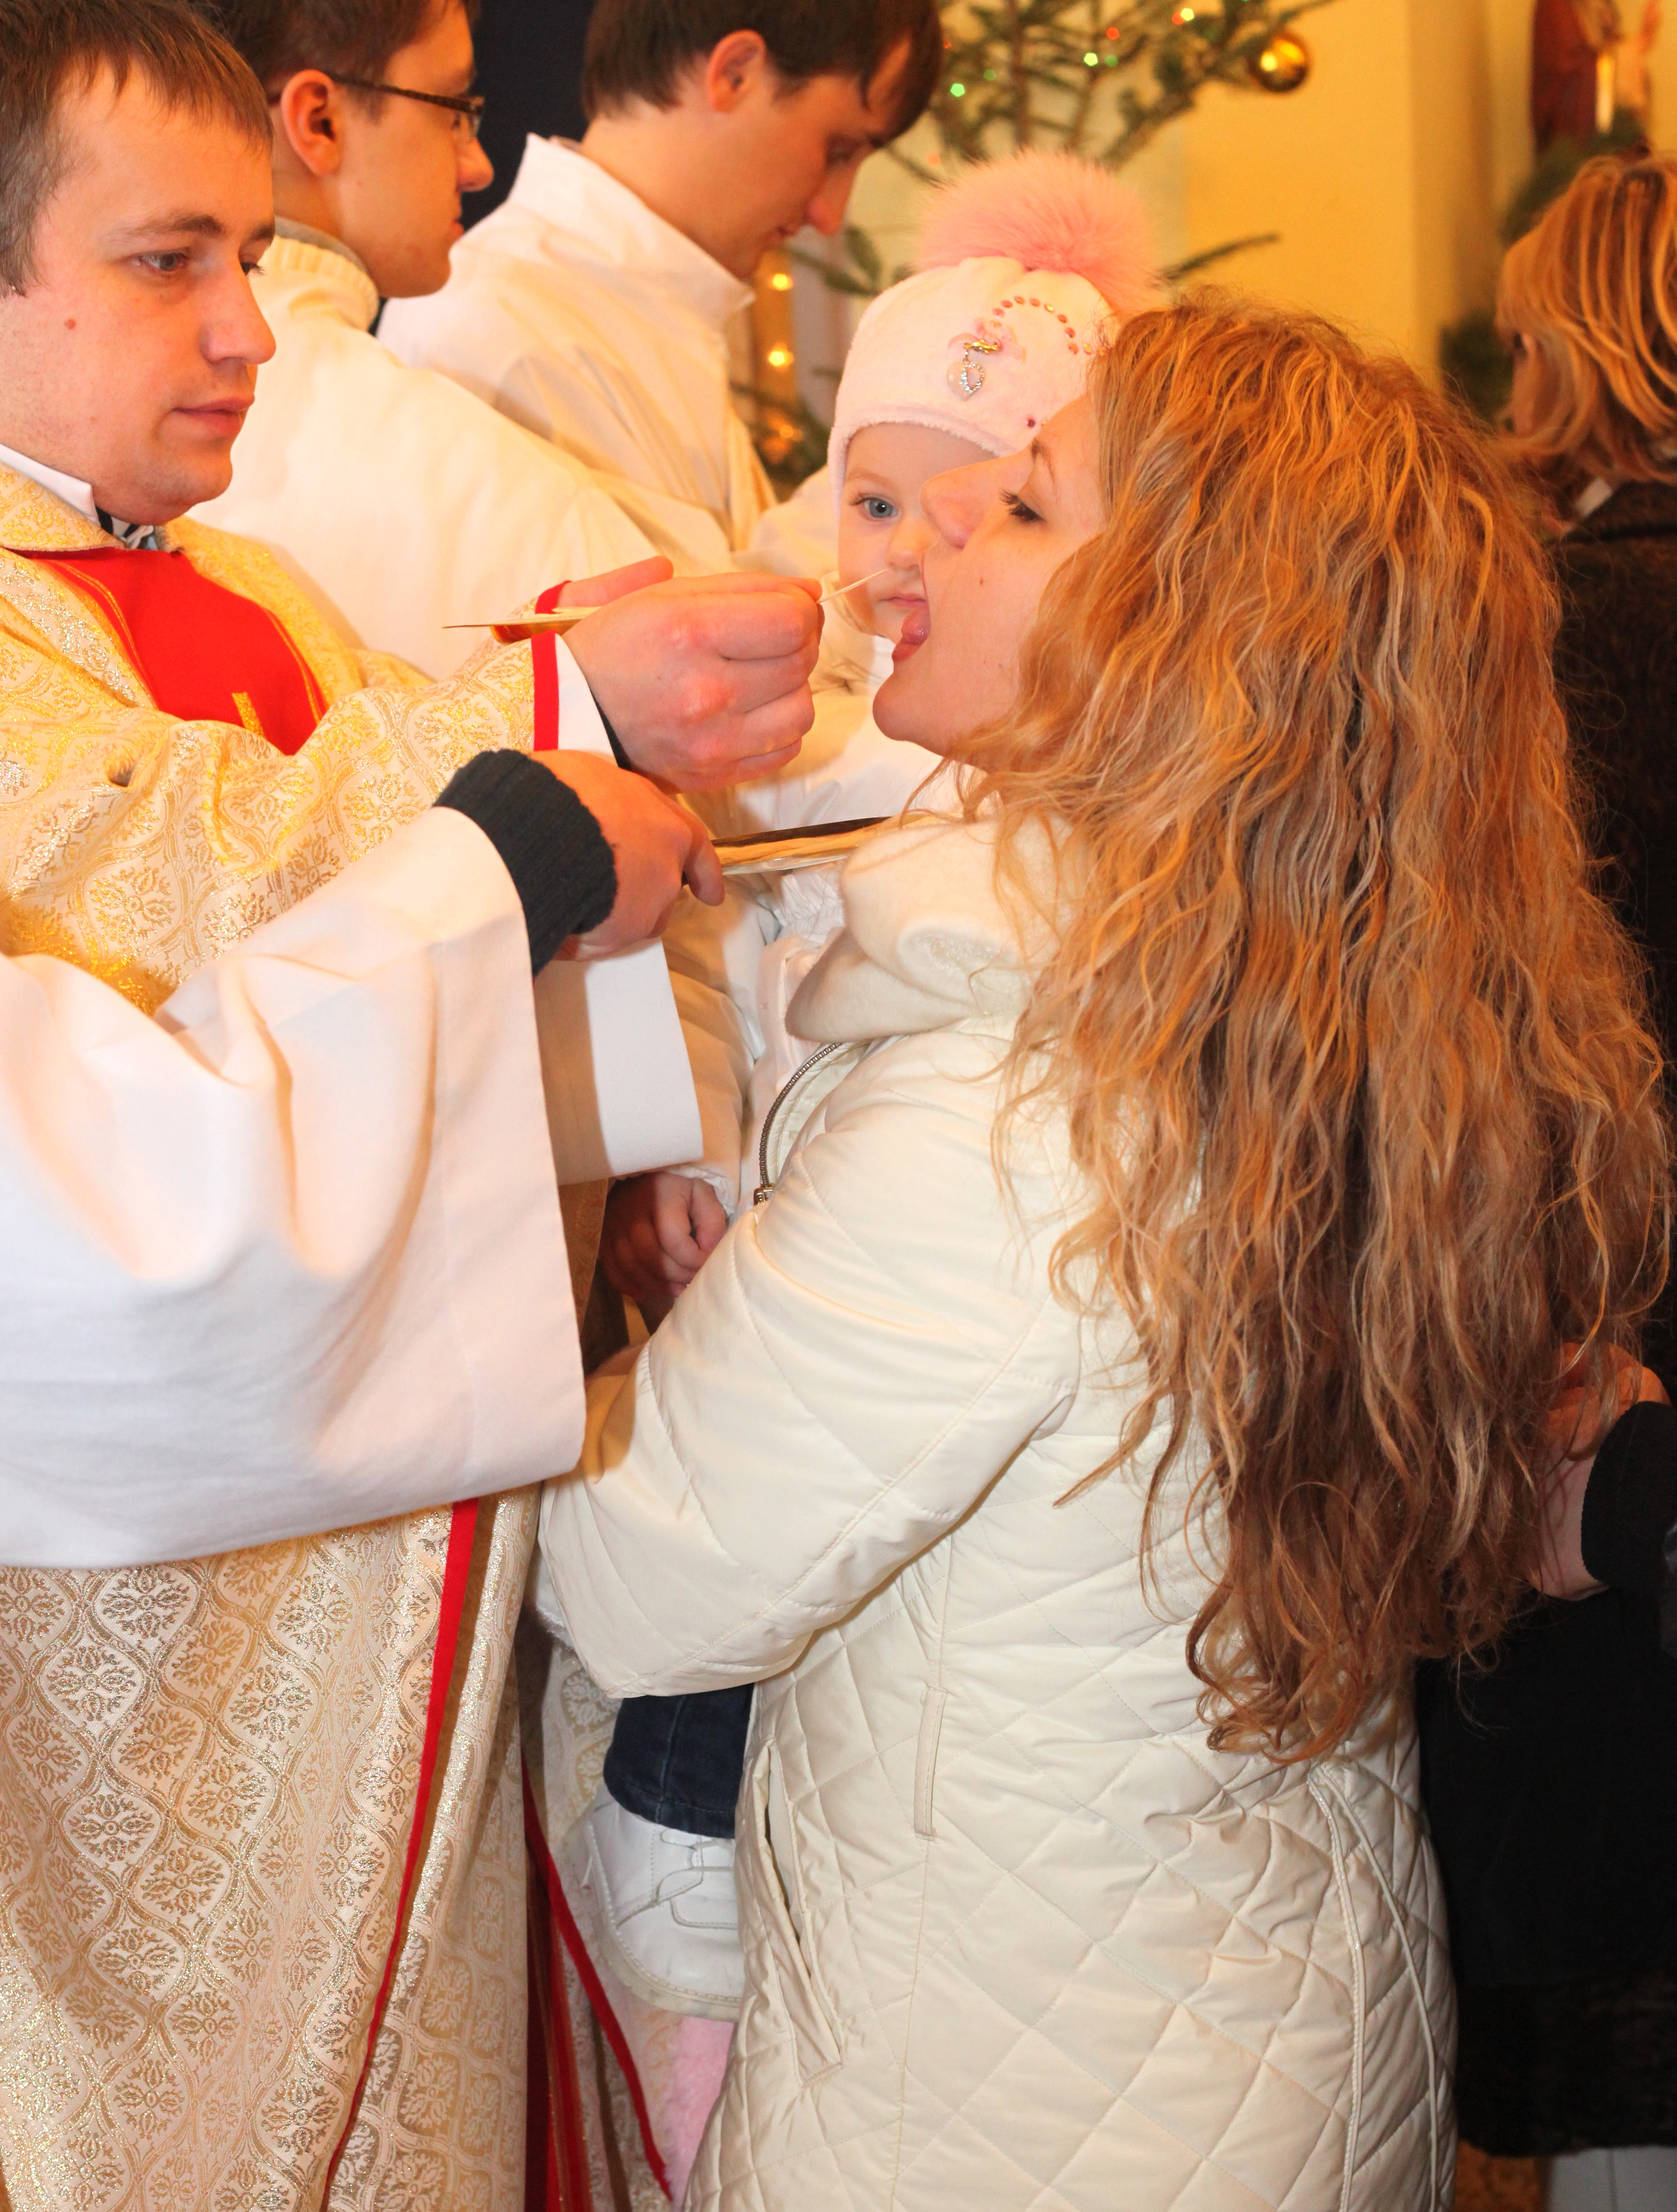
x=204, y=653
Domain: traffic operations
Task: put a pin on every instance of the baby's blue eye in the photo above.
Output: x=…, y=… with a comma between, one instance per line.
x=878, y=510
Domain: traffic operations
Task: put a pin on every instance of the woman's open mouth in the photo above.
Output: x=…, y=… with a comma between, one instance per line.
x=916, y=627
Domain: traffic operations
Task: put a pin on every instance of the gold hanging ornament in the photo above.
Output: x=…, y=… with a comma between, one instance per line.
x=1281, y=64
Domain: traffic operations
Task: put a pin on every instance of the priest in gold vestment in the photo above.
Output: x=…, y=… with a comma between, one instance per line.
x=262, y=1921
x=208, y=1769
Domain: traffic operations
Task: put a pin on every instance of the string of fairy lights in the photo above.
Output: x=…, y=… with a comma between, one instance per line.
x=1024, y=72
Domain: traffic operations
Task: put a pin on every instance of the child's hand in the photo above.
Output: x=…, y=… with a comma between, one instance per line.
x=658, y=1232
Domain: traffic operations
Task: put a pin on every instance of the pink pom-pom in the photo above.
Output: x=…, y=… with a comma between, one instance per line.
x=1048, y=211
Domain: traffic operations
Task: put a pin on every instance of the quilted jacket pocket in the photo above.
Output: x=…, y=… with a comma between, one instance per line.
x=774, y=1883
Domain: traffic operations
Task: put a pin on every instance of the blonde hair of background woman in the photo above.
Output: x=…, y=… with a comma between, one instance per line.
x=1354, y=1058
x=1593, y=288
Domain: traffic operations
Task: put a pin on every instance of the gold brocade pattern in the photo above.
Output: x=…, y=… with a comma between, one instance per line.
x=206, y=1774
x=208, y=1769
x=140, y=847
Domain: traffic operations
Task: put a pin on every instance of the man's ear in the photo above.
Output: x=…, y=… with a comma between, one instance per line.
x=736, y=65
x=309, y=112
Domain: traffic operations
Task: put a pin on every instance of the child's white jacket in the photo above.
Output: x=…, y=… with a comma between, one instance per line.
x=1015, y=1937
x=733, y=968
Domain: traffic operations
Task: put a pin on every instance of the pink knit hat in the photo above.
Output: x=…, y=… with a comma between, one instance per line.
x=1024, y=265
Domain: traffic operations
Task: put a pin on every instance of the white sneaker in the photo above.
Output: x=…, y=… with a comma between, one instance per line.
x=669, y=1921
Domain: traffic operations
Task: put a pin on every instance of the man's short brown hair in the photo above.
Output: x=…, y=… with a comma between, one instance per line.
x=642, y=49
x=47, y=46
x=344, y=38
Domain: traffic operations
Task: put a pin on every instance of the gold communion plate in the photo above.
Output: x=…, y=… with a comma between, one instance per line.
x=782, y=852
x=509, y=629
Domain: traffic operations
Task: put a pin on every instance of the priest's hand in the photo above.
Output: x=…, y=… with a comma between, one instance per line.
x=656, y=847
x=704, y=679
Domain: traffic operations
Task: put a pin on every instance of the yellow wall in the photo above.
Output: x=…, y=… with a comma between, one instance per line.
x=1377, y=173
x=1387, y=173
x=1384, y=174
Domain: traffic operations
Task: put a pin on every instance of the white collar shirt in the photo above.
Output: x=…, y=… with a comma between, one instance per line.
x=71, y=489
x=405, y=505
x=579, y=313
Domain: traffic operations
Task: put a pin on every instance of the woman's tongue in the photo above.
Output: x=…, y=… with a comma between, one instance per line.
x=916, y=627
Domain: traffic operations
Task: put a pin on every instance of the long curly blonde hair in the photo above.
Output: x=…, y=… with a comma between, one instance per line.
x=1593, y=289
x=1354, y=1058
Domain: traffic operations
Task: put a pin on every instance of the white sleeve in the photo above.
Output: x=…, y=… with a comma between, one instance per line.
x=289, y=1257
x=620, y=1084
x=549, y=373
x=851, y=1370
x=799, y=535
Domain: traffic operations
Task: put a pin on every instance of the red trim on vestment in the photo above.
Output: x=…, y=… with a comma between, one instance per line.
x=456, y=1570
x=545, y=666
x=562, y=2169
x=547, y=2187
x=204, y=653
x=572, y=1936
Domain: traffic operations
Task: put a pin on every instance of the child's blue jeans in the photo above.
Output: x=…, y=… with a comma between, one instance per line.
x=677, y=1760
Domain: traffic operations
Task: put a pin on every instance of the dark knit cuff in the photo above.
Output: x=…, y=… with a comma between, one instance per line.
x=553, y=847
x=1630, y=1505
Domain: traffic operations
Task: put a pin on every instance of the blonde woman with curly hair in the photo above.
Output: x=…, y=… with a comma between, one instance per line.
x=1142, y=1356
x=1552, y=1775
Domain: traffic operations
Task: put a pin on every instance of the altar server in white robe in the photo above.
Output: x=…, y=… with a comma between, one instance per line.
x=403, y=503
x=593, y=305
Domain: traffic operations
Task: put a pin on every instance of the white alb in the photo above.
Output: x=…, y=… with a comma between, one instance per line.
x=287, y=1256
x=585, y=316
x=405, y=505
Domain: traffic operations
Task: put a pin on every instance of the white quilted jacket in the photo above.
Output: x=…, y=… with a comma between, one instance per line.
x=1015, y=1937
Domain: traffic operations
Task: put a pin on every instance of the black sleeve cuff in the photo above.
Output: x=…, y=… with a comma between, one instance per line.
x=1630, y=1505
x=553, y=847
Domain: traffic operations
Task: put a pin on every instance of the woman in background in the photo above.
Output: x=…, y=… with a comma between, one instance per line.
x=1589, y=304
x=1551, y=1778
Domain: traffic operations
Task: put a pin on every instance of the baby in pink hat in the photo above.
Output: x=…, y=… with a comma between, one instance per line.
x=1024, y=265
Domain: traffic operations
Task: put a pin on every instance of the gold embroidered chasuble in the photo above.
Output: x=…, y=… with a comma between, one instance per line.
x=209, y=1769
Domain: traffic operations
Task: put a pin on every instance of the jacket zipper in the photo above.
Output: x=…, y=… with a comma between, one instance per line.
x=821, y=1052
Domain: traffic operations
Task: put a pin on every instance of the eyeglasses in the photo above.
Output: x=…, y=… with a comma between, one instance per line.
x=466, y=107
